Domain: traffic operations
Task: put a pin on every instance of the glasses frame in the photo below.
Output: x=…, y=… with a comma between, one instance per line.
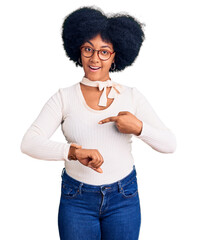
x=94, y=50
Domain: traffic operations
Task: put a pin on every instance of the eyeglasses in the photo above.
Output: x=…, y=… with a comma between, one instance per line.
x=103, y=54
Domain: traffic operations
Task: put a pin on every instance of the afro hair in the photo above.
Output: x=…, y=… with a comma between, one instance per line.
x=122, y=30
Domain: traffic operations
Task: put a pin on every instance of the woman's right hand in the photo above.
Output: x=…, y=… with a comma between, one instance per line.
x=90, y=157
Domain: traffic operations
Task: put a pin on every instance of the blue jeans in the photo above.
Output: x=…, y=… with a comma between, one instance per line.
x=102, y=212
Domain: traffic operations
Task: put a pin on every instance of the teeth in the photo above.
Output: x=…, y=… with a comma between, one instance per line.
x=94, y=67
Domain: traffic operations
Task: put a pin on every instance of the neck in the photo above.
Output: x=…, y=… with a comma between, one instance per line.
x=101, y=80
x=91, y=89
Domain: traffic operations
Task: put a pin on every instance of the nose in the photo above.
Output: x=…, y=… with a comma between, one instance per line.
x=95, y=57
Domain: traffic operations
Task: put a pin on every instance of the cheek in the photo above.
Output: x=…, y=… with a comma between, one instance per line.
x=107, y=65
x=84, y=62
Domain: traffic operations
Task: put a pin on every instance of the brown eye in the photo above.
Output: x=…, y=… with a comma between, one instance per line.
x=88, y=49
x=104, y=52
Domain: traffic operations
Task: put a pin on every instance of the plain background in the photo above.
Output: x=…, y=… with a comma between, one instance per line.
x=34, y=66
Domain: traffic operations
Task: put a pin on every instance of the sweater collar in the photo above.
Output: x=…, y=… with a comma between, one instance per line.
x=102, y=85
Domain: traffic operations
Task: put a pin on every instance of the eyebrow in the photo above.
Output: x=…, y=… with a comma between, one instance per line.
x=101, y=46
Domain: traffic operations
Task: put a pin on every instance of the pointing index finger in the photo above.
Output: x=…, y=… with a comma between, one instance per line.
x=109, y=119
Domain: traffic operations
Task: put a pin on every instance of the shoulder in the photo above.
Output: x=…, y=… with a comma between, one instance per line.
x=133, y=91
x=134, y=94
x=67, y=90
x=61, y=95
x=65, y=93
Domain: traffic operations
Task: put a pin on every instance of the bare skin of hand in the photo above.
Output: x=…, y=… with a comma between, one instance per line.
x=125, y=122
x=90, y=157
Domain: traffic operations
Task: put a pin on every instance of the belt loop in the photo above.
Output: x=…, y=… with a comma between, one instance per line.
x=80, y=186
x=119, y=186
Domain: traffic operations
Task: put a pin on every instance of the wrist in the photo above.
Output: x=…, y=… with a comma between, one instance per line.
x=140, y=125
x=72, y=151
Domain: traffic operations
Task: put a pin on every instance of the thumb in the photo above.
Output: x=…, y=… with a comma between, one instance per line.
x=99, y=170
x=96, y=169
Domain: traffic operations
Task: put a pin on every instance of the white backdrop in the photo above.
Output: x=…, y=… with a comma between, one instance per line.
x=34, y=66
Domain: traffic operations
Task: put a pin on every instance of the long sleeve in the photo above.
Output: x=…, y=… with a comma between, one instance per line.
x=154, y=132
x=36, y=142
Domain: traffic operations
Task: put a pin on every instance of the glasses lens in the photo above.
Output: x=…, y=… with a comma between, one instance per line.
x=87, y=51
x=104, y=54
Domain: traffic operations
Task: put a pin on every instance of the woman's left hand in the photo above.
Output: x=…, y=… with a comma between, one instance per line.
x=126, y=122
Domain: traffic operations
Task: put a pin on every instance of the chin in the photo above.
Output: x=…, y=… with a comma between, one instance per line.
x=93, y=77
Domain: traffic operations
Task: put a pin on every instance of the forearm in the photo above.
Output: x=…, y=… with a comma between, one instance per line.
x=154, y=132
x=161, y=140
x=36, y=142
x=37, y=146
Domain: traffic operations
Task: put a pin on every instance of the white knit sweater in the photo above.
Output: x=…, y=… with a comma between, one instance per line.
x=79, y=124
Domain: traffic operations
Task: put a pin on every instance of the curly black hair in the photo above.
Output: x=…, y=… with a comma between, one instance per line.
x=122, y=30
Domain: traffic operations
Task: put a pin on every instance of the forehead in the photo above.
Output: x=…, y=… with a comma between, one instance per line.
x=98, y=41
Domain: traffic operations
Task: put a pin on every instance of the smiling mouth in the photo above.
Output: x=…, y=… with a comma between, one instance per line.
x=94, y=69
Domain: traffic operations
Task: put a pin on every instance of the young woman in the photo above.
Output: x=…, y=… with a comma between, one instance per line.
x=98, y=117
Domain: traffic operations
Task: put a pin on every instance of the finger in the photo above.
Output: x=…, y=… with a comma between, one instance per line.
x=123, y=113
x=96, y=159
x=97, y=165
x=84, y=161
x=93, y=163
x=97, y=170
x=109, y=119
x=99, y=159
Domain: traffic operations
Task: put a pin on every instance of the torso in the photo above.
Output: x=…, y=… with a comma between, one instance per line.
x=92, y=96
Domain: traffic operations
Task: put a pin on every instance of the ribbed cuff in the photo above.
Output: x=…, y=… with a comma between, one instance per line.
x=162, y=140
x=67, y=148
x=66, y=151
x=146, y=131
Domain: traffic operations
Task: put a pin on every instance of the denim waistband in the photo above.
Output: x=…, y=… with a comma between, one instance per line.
x=95, y=188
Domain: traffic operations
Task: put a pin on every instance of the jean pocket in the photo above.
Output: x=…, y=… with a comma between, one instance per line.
x=130, y=189
x=69, y=191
